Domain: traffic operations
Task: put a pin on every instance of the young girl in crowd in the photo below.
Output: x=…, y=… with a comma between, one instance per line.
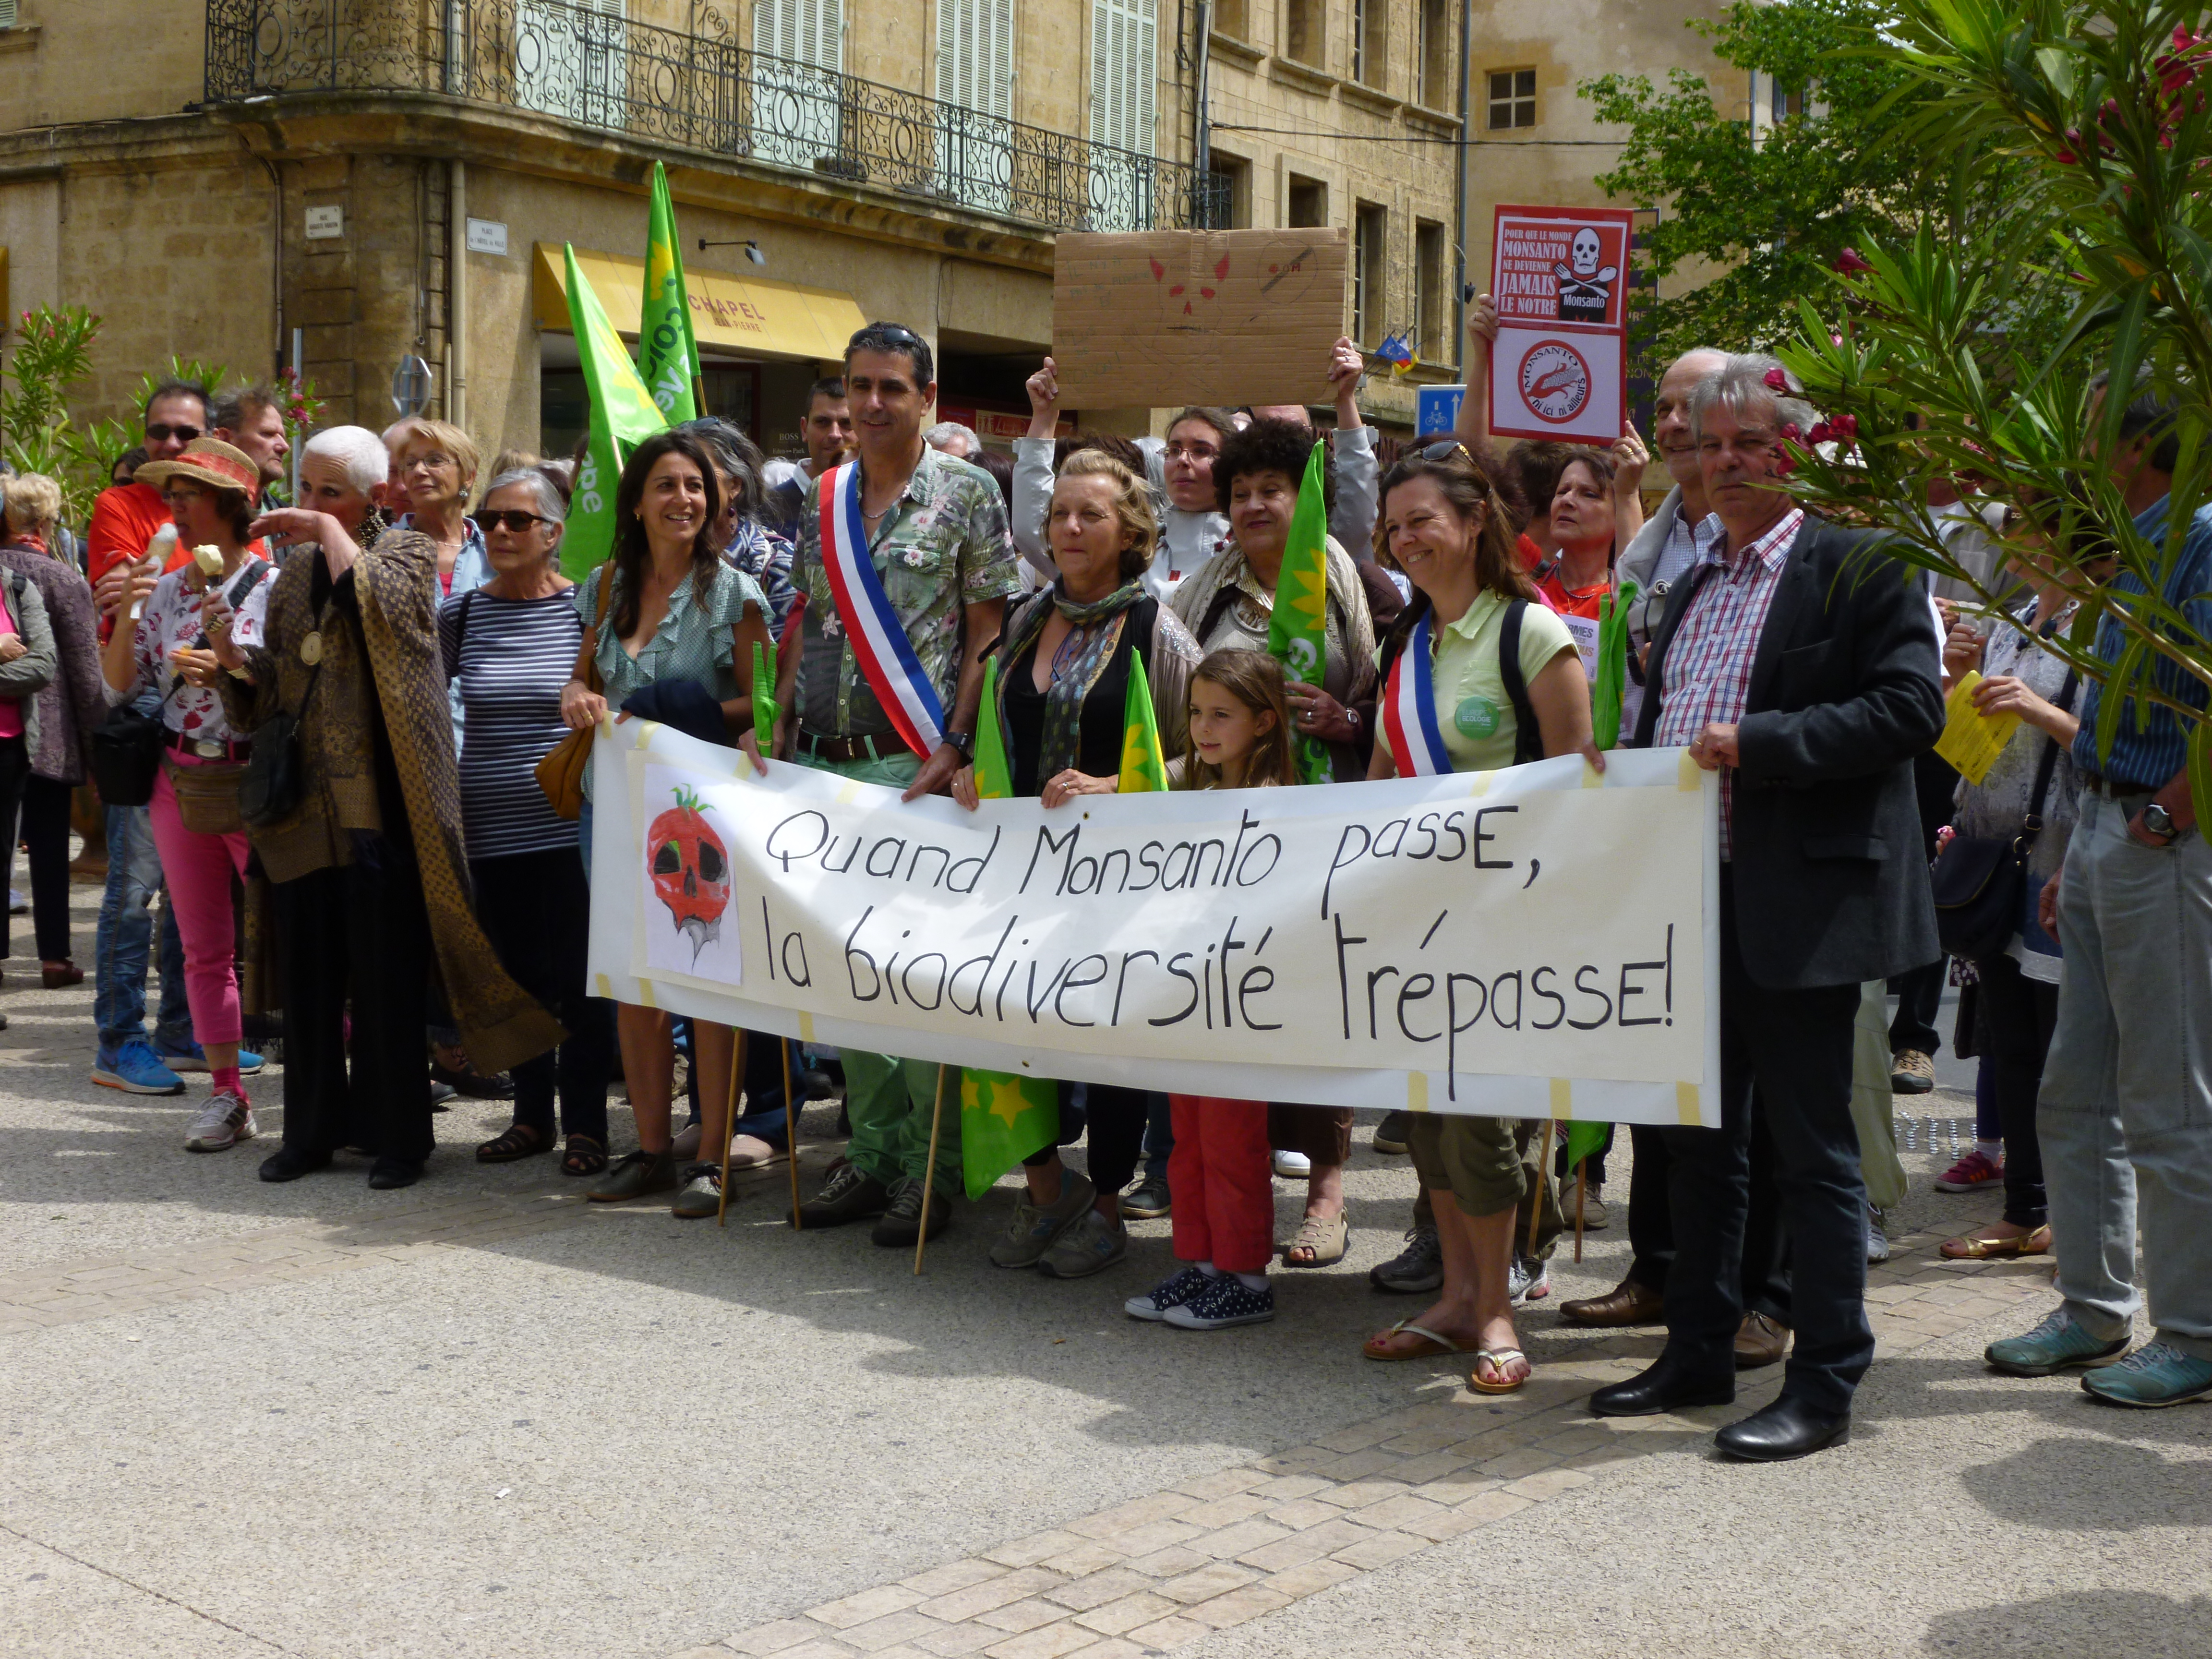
x=1225, y=1211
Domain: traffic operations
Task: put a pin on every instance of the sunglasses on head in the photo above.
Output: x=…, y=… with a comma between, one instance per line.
x=1442, y=451
x=512, y=519
x=162, y=432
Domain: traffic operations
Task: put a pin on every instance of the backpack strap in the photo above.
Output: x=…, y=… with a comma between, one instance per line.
x=1527, y=737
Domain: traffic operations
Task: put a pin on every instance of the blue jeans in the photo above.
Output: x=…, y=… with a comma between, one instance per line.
x=126, y=933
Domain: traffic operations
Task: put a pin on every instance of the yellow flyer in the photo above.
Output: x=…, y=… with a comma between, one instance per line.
x=1971, y=740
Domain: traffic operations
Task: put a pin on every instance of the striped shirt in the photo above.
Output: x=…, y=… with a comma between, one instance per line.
x=508, y=664
x=1706, y=677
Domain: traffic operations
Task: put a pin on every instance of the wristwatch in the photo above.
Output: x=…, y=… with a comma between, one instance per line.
x=2158, y=821
x=964, y=742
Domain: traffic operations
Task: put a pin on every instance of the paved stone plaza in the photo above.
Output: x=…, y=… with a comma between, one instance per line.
x=482, y=1418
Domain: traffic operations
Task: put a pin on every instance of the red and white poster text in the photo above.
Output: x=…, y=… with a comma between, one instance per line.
x=1560, y=369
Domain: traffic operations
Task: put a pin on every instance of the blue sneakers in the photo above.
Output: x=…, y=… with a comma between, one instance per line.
x=1225, y=1301
x=134, y=1067
x=2051, y=1347
x=193, y=1058
x=2156, y=1374
x=1171, y=1292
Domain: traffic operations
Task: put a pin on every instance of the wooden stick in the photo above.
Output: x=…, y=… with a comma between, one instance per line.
x=929, y=1173
x=1543, y=1159
x=729, y=1117
x=790, y=1130
x=1582, y=1195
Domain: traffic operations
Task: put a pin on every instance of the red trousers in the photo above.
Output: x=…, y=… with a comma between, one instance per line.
x=1222, y=1183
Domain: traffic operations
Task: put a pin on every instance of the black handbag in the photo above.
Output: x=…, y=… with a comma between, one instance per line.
x=274, y=779
x=126, y=756
x=1980, y=882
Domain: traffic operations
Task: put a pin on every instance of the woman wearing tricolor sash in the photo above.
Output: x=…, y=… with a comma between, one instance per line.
x=1476, y=676
x=1061, y=690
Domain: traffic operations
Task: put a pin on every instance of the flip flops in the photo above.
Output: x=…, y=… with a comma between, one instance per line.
x=1970, y=1249
x=1377, y=1347
x=1499, y=1359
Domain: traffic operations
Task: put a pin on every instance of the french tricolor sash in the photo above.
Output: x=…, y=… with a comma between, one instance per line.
x=1409, y=709
x=880, y=642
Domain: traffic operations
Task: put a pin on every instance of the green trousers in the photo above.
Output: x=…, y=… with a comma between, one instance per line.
x=890, y=1101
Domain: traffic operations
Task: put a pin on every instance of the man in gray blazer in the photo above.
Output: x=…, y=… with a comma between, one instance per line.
x=1799, y=662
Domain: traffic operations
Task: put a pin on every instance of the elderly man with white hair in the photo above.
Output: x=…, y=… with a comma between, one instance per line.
x=955, y=439
x=1794, y=664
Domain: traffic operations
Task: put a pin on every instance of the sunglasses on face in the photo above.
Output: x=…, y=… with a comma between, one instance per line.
x=162, y=432
x=514, y=519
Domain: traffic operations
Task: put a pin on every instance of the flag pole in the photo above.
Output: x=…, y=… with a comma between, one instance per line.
x=1582, y=1191
x=1543, y=1158
x=729, y=1117
x=791, y=1130
x=929, y=1173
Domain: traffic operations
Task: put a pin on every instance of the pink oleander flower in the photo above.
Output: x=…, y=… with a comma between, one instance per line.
x=1844, y=428
x=1849, y=263
x=1820, y=434
x=1791, y=434
x=1778, y=380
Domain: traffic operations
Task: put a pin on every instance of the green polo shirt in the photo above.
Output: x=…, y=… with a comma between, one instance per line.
x=1473, y=711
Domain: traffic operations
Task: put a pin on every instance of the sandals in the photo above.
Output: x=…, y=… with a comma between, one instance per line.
x=1323, y=1239
x=520, y=1141
x=2035, y=1242
x=1499, y=1359
x=585, y=1156
x=1430, y=1343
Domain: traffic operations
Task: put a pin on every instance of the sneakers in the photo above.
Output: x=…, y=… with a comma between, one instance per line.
x=1035, y=1227
x=2057, y=1343
x=702, y=1192
x=1529, y=1280
x=1911, y=1072
x=1221, y=1302
x=193, y=1058
x=1092, y=1245
x=1415, y=1270
x=224, y=1121
x=1168, y=1293
x=133, y=1066
x=1149, y=1199
x=1293, y=1166
x=636, y=1175
x=901, y=1222
x=1595, y=1216
x=466, y=1079
x=1971, y=1173
x=1877, y=1241
x=849, y=1194
x=1390, y=1132
x=2156, y=1374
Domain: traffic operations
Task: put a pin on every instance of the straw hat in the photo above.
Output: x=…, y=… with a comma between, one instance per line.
x=209, y=461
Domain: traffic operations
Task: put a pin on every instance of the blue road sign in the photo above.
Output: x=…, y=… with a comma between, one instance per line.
x=1436, y=408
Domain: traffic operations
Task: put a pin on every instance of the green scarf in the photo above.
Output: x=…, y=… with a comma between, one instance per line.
x=1076, y=666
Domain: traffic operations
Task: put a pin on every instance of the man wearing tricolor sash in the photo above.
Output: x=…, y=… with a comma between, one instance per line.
x=905, y=561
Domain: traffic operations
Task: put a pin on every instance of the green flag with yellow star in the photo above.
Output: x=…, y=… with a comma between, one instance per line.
x=1003, y=1118
x=1297, y=631
x=1143, y=766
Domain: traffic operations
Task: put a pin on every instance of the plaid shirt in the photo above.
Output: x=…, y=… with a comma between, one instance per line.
x=1707, y=670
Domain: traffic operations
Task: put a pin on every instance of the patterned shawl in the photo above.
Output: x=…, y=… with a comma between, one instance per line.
x=1095, y=635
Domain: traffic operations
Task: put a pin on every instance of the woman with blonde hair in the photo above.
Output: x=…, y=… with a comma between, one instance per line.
x=436, y=463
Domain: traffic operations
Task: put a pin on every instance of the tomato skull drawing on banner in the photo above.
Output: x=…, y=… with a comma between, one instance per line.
x=690, y=869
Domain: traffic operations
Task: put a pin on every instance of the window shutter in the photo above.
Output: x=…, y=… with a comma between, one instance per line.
x=975, y=55
x=1124, y=73
x=802, y=31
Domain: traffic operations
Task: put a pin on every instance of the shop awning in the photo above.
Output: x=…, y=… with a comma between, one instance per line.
x=748, y=315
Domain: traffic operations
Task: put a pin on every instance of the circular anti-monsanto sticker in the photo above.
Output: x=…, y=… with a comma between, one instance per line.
x=1555, y=381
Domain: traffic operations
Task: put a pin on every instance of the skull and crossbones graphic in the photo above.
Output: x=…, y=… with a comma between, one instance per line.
x=1585, y=287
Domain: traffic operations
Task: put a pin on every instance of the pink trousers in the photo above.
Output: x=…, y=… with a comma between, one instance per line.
x=1223, y=1181
x=197, y=870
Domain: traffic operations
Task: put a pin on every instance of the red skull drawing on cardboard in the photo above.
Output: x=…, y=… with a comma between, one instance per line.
x=690, y=869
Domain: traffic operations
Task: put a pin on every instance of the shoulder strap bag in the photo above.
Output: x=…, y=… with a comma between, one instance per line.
x=1980, y=882
x=561, y=774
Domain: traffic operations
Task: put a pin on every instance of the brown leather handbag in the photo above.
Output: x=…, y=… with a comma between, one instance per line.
x=561, y=774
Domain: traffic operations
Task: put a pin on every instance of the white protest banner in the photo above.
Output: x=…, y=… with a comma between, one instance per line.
x=1559, y=368
x=1532, y=943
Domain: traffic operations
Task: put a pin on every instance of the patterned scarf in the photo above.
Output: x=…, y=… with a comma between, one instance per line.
x=1095, y=633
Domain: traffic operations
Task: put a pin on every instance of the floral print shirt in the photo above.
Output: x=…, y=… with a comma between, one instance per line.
x=942, y=545
x=171, y=624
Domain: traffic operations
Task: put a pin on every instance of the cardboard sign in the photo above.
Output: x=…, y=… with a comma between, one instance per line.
x=1158, y=318
x=1560, y=278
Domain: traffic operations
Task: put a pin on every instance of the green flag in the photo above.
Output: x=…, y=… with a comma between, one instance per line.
x=667, y=354
x=1142, y=768
x=623, y=416
x=1003, y=1117
x=1298, y=632
x=1611, y=686
x=765, y=709
x=1583, y=1140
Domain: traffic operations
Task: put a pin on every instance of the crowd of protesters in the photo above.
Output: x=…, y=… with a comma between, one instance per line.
x=322, y=727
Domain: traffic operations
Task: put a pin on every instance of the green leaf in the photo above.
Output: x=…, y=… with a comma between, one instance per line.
x=2200, y=775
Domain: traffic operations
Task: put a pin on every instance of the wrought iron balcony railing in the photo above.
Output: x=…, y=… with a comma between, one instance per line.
x=701, y=90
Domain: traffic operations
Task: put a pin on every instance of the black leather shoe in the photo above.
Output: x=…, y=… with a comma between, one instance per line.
x=1788, y=1428
x=389, y=1173
x=1665, y=1387
x=290, y=1163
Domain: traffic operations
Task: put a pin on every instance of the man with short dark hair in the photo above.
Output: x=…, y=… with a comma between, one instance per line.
x=2125, y=1111
x=827, y=432
x=1809, y=681
x=125, y=516
x=936, y=562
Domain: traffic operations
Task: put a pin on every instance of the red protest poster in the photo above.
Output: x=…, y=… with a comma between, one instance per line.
x=1560, y=276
